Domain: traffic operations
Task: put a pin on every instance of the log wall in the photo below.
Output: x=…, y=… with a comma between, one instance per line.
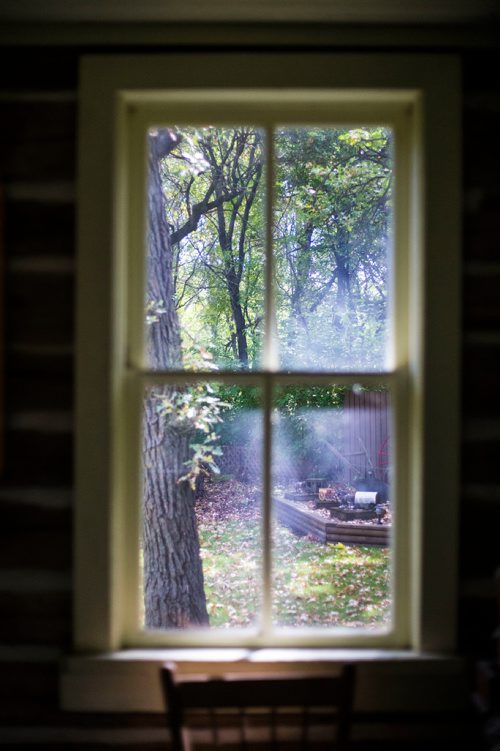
x=38, y=114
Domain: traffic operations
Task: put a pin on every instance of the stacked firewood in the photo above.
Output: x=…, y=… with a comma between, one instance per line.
x=339, y=493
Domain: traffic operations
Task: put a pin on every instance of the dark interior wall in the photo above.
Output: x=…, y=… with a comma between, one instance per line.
x=480, y=500
x=38, y=138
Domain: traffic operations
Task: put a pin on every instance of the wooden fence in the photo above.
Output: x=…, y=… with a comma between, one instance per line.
x=363, y=446
x=366, y=434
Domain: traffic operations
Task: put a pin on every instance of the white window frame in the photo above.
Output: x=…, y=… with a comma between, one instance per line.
x=425, y=91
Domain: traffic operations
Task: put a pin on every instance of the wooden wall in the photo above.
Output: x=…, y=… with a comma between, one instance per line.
x=366, y=434
x=480, y=501
x=38, y=113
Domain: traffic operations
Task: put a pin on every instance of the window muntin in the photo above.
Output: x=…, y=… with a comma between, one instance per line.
x=145, y=122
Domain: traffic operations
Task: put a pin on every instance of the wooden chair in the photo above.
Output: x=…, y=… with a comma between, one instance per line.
x=247, y=711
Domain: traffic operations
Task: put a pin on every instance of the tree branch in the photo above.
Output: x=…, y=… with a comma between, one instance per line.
x=199, y=209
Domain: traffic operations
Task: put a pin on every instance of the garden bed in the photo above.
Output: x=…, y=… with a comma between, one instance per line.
x=305, y=521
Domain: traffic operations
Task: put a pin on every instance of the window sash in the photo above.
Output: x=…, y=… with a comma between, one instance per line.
x=265, y=633
x=268, y=110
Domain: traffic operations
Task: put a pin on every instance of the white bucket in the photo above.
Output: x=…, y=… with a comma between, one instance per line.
x=365, y=499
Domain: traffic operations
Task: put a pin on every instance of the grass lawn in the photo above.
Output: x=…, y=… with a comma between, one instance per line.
x=313, y=584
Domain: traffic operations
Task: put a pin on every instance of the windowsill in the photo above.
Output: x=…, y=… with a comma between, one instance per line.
x=388, y=680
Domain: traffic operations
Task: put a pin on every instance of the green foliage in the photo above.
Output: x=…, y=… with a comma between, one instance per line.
x=331, y=234
x=211, y=186
x=290, y=399
x=331, y=252
x=243, y=405
x=196, y=407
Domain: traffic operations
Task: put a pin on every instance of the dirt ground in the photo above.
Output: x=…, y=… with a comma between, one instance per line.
x=223, y=499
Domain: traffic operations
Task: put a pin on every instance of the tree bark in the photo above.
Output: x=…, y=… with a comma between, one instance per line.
x=300, y=269
x=174, y=595
x=233, y=289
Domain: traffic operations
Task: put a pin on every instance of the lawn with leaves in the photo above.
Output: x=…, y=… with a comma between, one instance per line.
x=314, y=584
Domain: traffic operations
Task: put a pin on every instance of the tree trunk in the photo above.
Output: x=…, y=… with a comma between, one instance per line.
x=238, y=317
x=341, y=256
x=226, y=239
x=300, y=268
x=174, y=594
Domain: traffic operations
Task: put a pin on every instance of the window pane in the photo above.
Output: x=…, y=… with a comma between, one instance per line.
x=332, y=227
x=332, y=507
x=201, y=533
x=205, y=264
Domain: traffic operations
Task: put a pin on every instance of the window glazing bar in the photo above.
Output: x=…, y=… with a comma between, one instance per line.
x=270, y=364
x=152, y=377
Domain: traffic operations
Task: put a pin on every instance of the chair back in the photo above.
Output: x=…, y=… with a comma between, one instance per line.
x=249, y=711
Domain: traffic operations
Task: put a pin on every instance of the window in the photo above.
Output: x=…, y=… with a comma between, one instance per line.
x=328, y=99
x=268, y=295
